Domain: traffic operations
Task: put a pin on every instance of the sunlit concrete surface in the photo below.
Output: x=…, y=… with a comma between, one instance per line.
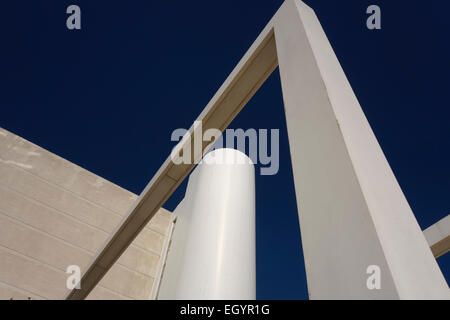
x=54, y=214
x=352, y=211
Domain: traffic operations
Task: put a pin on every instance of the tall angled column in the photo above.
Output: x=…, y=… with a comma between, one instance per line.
x=352, y=211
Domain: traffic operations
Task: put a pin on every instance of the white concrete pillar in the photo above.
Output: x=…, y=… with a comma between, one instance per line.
x=219, y=251
x=352, y=212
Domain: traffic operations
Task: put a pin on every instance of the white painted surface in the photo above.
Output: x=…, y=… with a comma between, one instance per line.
x=352, y=211
x=213, y=249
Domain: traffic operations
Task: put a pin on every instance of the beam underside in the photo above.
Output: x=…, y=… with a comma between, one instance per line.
x=438, y=236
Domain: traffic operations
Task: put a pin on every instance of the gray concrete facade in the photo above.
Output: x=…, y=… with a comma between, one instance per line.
x=53, y=214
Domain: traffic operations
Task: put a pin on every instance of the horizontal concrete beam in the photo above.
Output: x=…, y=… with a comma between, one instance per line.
x=246, y=78
x=438, y=236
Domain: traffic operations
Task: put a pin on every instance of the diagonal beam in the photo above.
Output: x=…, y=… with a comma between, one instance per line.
x=246, y=78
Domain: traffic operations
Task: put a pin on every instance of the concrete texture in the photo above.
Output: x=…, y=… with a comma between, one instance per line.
x=352, y=211
x=438, y=236
x=54, y=214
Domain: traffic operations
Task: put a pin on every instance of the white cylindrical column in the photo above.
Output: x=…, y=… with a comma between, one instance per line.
x=219, y=257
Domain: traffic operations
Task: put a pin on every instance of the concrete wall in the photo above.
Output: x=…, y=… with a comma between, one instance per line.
x=54, y=214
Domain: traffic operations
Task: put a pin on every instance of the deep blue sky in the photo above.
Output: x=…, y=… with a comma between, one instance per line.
x=107, y=97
